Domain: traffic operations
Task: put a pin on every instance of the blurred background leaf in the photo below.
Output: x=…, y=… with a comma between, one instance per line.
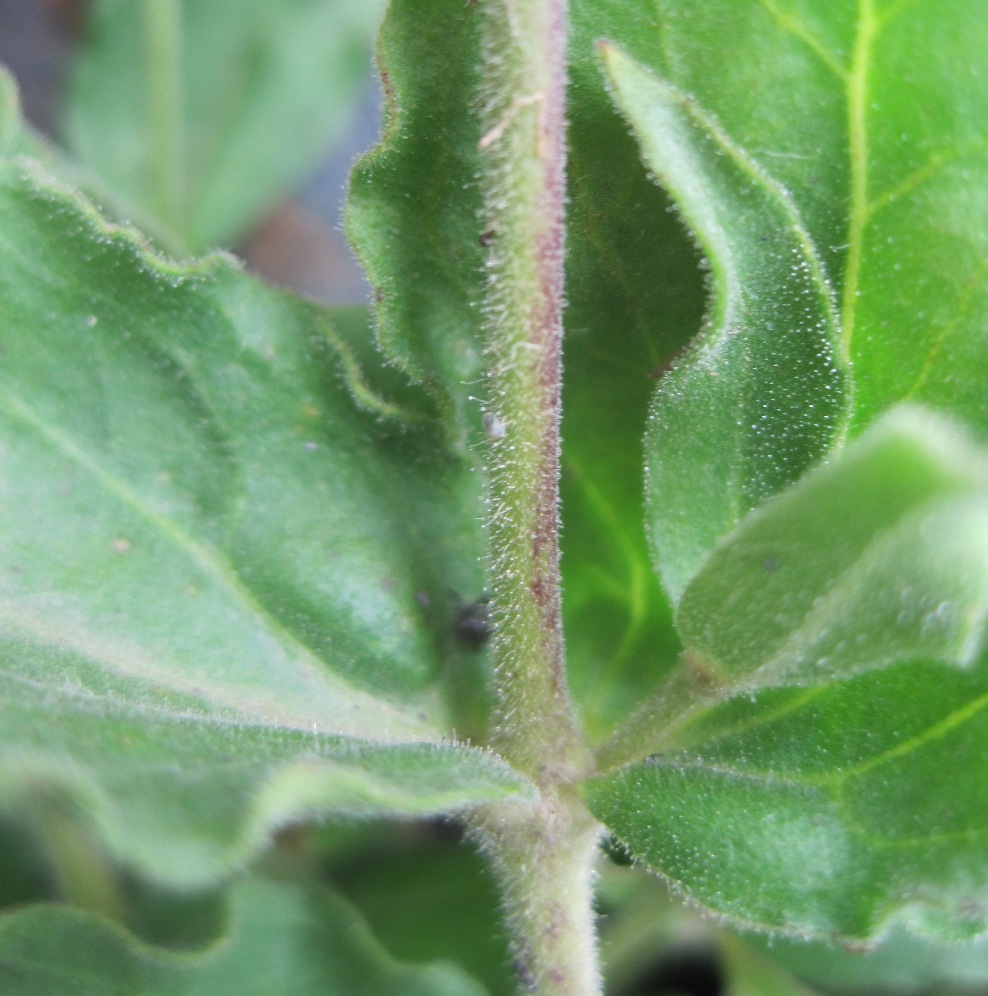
x=204, y=114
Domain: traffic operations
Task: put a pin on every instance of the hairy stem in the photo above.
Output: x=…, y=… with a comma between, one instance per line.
x=543, y=855
x=678, y=700
x=543, y=858
x=523, y=152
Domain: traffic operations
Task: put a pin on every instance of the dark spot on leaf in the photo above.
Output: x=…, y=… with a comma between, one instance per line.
x=616, y=851
x=473, y=623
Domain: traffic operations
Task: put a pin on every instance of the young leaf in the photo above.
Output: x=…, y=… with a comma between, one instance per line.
x=876, y=558
x=828, y=810
x=287, y=939
x=203, y=114
x=760, y=397
x=213, y=564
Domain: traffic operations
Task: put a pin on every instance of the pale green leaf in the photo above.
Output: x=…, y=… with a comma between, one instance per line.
x=225, y=587
x=413, y=212
x=900, y=964
x=205, y=117
x=286, y=939
x=877, y=558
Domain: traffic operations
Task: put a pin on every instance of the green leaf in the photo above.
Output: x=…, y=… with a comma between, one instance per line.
x=224, y=587
x=414, y=206
x=760, y=397
x=874, y=559
x=634, y=297
x=829, y=809
x=824, y=812
x=868, y=114
x=206, y=118
x=429, y=897
x=915, y=296
x=901, y=964
x=287, y=939
x=647, y=934
x=413, y=215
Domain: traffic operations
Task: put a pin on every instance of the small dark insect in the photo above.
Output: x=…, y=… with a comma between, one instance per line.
x=473, y=623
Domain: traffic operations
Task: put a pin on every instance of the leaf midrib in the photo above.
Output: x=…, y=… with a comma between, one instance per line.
x=857, y=96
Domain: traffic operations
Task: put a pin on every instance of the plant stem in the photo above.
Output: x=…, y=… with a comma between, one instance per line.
x=163, y=51
x=543, y=854
x=524, y=160
x=543, y=859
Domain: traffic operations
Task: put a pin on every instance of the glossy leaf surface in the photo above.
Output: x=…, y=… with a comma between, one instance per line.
x=205, y=136
x=287, y=939
x=214, y=565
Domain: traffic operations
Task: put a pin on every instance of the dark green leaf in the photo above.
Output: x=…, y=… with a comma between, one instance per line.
x=829, y=809
x=869, y=115
x=287, y=939
x=824, y=811
x=634, y=296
